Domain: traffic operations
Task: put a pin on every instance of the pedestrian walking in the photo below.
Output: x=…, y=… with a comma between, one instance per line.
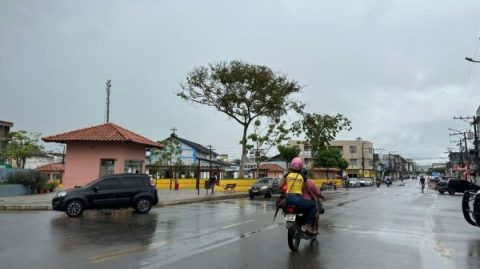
x=422, y=183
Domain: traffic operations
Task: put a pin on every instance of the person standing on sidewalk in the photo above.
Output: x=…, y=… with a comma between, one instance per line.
x=212, y=182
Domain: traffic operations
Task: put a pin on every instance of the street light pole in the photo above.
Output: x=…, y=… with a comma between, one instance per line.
x=471, y=60
x=475, y=142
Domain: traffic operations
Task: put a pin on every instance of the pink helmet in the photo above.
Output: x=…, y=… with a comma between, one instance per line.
x=296, y=164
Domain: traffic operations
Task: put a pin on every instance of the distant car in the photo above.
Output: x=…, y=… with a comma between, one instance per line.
x=353, y=182
x=264, y=186
x=456, y=185
x=368, y=182
x=365, y=182
x=113, y=191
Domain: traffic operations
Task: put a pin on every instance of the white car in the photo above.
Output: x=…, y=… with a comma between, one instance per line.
x=367, y=182
x=353, y=182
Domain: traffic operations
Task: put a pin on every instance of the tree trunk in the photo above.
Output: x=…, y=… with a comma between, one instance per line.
x=328, y=177
x=244, y=152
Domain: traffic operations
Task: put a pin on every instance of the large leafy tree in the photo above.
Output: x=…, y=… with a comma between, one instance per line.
x=288, y=152
x=320, y=129
x=244, y=92
x=22, y=145
x=330, y=158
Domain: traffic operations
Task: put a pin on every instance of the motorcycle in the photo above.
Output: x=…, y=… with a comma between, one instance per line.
x=294, y=219
x=328, y=186
x=388, y=182
x=378, y=183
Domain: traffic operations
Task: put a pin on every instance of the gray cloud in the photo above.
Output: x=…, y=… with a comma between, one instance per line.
x=395, y=68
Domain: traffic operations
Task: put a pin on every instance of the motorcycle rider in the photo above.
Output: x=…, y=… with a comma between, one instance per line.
x=311, y=192
x=292, y=184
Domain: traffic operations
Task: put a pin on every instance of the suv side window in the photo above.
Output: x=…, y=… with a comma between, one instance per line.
x=133, y=182
x=109, y=184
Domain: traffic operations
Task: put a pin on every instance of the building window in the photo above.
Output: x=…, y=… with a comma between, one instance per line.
x=107, y=167
x=353, y=161
x=353, y=149
x=133, y=167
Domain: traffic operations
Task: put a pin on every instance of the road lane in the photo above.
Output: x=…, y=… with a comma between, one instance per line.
x=396, y=227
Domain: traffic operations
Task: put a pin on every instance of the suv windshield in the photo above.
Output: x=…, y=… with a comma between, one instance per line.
x=263, y=180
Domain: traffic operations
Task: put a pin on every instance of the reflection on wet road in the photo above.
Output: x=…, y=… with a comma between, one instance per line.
x=396, y=227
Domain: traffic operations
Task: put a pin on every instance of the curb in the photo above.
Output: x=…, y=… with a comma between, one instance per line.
x=201, y=199
x=331, y=195
x=25, y=207
x=160, y=204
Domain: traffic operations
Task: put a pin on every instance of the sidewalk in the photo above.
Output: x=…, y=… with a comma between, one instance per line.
x=166, y=198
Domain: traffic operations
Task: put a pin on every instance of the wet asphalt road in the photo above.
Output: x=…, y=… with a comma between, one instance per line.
x=396, y=227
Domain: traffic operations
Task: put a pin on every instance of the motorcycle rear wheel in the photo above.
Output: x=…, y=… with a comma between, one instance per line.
x=294, y=237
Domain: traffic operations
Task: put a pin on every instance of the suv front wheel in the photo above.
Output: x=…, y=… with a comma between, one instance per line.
x=74, y=208
x=143, y=205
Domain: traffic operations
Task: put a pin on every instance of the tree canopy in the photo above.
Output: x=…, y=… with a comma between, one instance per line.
x=242, y=91
x=22, y=145
x=330, y=158
x=288, y=152
x=320, y=129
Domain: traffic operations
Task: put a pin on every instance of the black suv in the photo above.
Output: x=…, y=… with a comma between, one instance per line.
x=113, y=191
x=265, y=186
x=456, y=185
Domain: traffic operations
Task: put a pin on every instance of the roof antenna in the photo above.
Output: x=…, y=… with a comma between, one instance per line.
x=107, y=114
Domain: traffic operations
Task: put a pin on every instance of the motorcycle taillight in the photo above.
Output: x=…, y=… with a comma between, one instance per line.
x=290, y=209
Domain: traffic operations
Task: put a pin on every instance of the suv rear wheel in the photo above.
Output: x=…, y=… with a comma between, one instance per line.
x=143, y=205
x=74, y=208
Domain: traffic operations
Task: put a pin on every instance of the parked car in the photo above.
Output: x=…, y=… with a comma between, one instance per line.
x=264, y=186
x=442, y=183
x=456, y=185
x=368, y=182
x=364, y=182
x=113, y=191
x=353, y=182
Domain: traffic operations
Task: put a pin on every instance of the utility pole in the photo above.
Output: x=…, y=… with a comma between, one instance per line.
x=374, y=163
x=107, y=113
x=210, y=161
x=475, y=141
x=390, y=163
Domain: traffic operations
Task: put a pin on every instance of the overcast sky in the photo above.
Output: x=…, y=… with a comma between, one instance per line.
x=396, y=69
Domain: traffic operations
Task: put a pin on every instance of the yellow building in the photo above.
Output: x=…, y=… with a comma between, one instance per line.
x=358, y=153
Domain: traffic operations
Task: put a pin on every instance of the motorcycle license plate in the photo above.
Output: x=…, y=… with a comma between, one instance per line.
x=290, y=217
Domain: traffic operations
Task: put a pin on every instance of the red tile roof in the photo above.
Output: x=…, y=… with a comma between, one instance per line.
x=271, y=167
x=108, y=132
x=52, y=167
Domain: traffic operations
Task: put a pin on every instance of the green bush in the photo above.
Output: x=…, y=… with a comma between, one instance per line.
x=52, y=185
x=32, y=179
